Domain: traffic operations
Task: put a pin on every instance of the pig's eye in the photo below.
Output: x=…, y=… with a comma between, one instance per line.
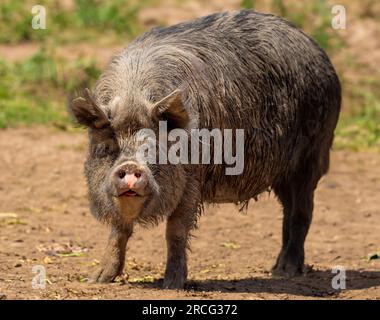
x=105, y=150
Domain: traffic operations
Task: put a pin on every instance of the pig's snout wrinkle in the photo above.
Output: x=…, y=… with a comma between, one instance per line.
x=130, y=179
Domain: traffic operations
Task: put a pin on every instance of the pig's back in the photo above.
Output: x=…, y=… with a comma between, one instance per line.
x=249, y=69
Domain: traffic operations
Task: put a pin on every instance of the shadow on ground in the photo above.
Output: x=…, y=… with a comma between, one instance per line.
x=315, y=284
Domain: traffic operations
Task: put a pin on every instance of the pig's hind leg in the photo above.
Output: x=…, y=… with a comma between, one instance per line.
x=296, y=193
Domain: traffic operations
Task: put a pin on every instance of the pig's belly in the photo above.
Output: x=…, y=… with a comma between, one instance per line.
x=225, y=195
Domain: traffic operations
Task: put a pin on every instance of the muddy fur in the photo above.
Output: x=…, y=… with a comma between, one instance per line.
x=239, y=70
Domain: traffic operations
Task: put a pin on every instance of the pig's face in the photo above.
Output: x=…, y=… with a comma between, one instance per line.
x=121, y=187
x=112, y=167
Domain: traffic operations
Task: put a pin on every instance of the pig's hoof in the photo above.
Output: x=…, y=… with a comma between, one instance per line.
x=287, y=270
x=105, y=274
x=283, y=273
x=175, y=281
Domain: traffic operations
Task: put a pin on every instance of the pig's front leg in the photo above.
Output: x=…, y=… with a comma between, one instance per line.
x=177, y=235
x=112, y=263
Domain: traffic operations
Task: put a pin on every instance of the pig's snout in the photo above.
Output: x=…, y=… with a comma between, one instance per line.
x=129, y=179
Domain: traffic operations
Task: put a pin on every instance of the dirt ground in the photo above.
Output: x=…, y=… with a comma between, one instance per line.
x=44, y=220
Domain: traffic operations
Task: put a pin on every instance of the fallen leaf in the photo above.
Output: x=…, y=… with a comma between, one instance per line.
x=145, y=279
x=95, y=262
x=6, y=215
x=72, y=254
x=62, y=250
x=47, y=260
x=16, y=221
x=205, y=271
x=230, y=245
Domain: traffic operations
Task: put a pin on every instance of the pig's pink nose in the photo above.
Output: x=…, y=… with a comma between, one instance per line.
x=129, y=179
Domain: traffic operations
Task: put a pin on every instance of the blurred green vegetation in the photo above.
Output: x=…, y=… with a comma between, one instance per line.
x=81, y=20
x=36, y=89
x=360, y=130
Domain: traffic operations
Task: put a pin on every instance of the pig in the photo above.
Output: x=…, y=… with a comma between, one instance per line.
x=238, y=70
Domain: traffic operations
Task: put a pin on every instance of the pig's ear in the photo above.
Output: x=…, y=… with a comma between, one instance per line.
x=87, y=112
x=172, y=110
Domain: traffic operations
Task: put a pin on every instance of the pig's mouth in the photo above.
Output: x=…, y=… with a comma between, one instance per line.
x=129, y=193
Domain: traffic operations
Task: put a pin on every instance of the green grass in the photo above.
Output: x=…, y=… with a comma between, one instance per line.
x=247, y=4
x=37, y=89
x=15, y=22
x=24, y=111
x=360, y=130
x=85, y=21
x=114, y=15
